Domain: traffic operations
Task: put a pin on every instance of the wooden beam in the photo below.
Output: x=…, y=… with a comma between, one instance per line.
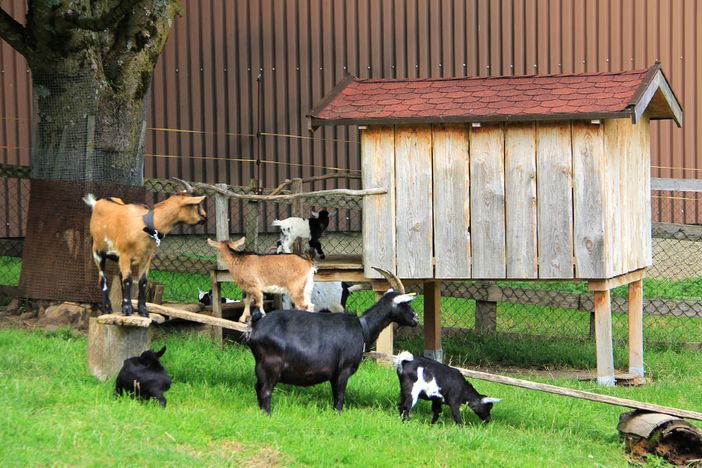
x=194, y=317
x=676, y=185
x=580, y=394
x=611, y=283
x=603, y=339
x=636, y=361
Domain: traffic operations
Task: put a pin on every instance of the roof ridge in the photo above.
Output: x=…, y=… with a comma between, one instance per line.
x=501, y=77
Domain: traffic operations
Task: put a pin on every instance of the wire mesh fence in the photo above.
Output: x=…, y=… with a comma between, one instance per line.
x=553, y=309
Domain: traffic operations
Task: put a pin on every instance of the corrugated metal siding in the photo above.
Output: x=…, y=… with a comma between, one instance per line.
x=206, y=79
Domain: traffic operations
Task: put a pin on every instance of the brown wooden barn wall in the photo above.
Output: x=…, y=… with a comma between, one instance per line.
x=205, y=82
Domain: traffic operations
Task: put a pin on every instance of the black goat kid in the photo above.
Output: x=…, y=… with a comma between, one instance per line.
x=307, y=349
x=144, y=377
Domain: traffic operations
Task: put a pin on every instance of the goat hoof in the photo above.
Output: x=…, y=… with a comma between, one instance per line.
x=144, y=313
x=127, y=311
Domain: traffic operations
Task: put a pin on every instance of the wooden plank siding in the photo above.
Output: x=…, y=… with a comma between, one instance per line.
x=413, y=201
x=555, y=194
x=589, y=200
x=520, y=191
x=628, y=160
x=487, y=201
x=451, y=201
x=378, y=165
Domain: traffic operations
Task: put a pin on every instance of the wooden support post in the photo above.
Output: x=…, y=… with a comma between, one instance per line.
x=216, y=306
x=297, y=209
x=251, y=222
x=636, y=362
x=109, y=345
x=222, y=233
x=432, y=321
x=384, y=343
x=485, y=316
x=486, y=311
x=603, y=338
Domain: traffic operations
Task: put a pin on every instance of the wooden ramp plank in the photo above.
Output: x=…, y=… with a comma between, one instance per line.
x=194, y=317
x=581, y=394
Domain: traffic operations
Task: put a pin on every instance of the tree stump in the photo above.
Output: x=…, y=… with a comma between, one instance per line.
x=109, y=344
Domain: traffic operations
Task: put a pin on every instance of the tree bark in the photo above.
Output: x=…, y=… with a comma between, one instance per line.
x=92, y=63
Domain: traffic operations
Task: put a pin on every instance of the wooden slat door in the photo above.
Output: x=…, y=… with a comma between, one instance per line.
x=413, y=186
x=555, y=200
x=520, y=189
x=378, y=166
x=487, y=201
x=451, y=202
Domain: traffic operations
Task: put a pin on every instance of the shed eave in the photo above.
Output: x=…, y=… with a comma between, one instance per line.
x=316, y=121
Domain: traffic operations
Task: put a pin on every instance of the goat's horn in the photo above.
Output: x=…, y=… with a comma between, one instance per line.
x=394, y=281
x=188, y=187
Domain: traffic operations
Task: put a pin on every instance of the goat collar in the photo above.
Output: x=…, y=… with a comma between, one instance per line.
x=364, y=330
x=150, y=229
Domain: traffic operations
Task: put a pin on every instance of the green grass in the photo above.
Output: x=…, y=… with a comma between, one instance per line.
x=10, y=268
x=54, y=412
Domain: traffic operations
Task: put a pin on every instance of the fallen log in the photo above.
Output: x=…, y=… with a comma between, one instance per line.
x=610, y=400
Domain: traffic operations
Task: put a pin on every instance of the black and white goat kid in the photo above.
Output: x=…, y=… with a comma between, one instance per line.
x=310, y=228
x=144, y=377
x=205, y=298
x=428, y=379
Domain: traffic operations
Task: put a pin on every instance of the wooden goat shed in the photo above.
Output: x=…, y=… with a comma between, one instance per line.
x=543, y=177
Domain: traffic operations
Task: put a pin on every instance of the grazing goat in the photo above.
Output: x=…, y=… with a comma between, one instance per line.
x=308, y=349
x=311, y=228
x=144, y=377
x=257, y=274
x=428, y=379
x=205, y=298
x=130, y=234
x=327, y=296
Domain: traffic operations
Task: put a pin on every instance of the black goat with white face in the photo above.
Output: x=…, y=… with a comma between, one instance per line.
x=431, y=380
x=144, y=377
x=308, y=349
x=310, y=228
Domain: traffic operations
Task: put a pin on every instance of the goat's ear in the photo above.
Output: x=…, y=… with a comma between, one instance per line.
x=403, y=298
x=236, y=244
x=485, y=400
x=213, y=243
x=161, y=351
x=193, y=200
x=314, y=214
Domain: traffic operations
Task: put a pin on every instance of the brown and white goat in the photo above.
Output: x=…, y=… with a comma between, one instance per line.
x=130, y=234
x=271, y=273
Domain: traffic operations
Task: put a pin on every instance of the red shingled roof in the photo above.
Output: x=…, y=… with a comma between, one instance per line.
x=535, y=97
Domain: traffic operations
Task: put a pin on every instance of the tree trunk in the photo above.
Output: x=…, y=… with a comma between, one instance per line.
x=91, y=64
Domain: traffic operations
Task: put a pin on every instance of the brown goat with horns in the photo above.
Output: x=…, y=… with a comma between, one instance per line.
x=130, y=234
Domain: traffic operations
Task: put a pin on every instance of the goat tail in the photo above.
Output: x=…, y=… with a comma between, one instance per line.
x=404, y=356
x=90, y=200
x=277, y=222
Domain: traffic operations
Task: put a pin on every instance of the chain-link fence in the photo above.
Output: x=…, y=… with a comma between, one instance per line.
x=672, y=287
